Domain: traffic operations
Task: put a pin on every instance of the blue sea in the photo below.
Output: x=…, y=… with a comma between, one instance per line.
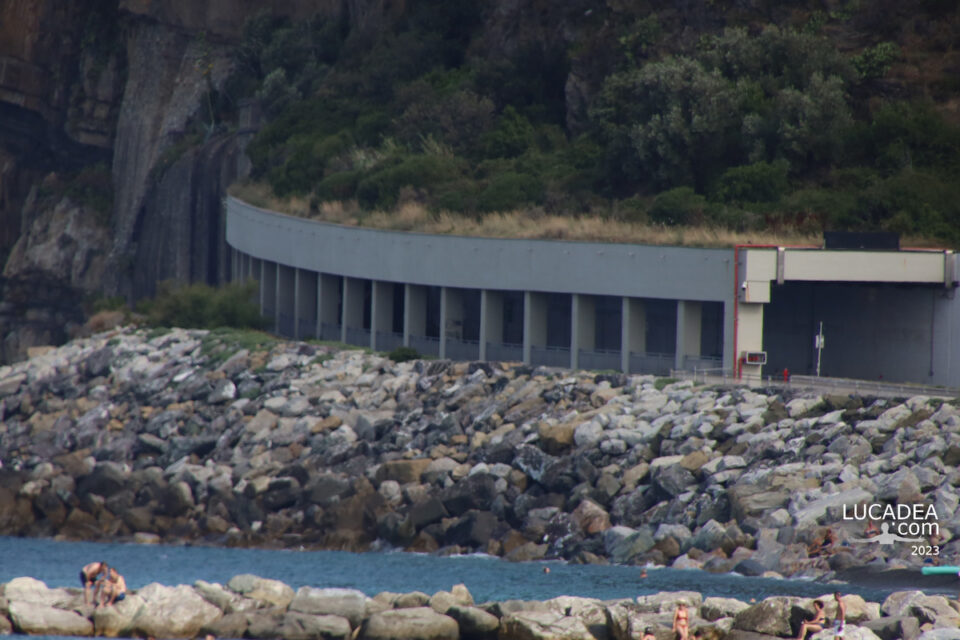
x=57, y=563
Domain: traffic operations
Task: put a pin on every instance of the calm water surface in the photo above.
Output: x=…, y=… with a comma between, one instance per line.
x=58, y=563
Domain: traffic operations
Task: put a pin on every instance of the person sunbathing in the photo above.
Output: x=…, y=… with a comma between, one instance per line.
x=815, y=624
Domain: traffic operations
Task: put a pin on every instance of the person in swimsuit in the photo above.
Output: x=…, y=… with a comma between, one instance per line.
x=816, y=623
x=114, y=589
x=840, y=622
x=648, y=634
x=681, y=622
x=88, y=577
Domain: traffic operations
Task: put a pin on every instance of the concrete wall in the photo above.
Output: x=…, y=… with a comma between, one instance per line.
x=482, y=263
x=871, y=331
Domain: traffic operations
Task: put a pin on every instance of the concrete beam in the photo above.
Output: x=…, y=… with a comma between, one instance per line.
x=534, y=322
x=583, y=326
x=381, y=311
x=491, y=319
x=689, y=325
x=633, y=330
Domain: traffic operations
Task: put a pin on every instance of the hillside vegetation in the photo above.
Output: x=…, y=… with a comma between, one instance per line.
x=789, y=120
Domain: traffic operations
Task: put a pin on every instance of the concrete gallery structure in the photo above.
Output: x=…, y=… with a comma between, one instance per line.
x=748, y=310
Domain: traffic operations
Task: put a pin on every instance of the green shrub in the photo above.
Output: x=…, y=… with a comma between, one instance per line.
x=758, y=182
x=200, y=306
x=512, y=135
x=381, y=187
x=507, y=191
x=874, y=62
x=403, y=354
x=341, y=185
x=679, y=206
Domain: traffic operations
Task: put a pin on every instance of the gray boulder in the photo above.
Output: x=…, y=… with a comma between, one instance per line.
x=772, y=616
x=894, y=627
x=348, y=603
x=172, y=612
x=37, y=619
x=716, y=608
x=117, y=620
x=535, y=625
x=474, y=623
x=418, y=623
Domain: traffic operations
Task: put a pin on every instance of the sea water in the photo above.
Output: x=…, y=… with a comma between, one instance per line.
x=57, y=563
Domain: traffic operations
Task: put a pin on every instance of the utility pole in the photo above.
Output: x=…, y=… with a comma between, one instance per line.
x=818, y=345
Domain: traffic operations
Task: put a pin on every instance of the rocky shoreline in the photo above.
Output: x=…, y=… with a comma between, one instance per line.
x=188, y=436
x=253, y=607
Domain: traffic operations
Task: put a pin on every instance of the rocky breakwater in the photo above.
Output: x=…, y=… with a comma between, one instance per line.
x=186, y=435
x=252, y=607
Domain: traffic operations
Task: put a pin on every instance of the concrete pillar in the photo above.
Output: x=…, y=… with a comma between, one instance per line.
x=414, y=312
x=268, y=291
x=451, y=317
x=491, y=319
x=633, y=330
x=749, y=338
x=328, y=301
x=286, y=298
x=307, y=303
x=381, y=311
x=352, y=306
x=583, y=326
x=689, y=320
x=534, y=322
x=729, y=357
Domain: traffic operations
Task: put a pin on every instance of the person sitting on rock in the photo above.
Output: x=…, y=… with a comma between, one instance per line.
x=814, y=624
x=681, y=622
x=114, y=590
x=648, y=634
x=88, y=578
x=822, y=546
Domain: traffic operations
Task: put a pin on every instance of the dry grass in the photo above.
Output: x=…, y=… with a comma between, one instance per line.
x=530, y=224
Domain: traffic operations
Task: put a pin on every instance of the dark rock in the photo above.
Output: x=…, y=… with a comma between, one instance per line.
x=532, y=461
x=749, y=567
x=106, y=479
x=473, y=492
x=427, y=512
x=473, y=529
x=673, y=480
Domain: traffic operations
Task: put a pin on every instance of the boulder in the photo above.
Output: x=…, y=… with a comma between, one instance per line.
x=224, y=599
x=667, y=601
x=547, y=625
x=474, y=623
x=304, y=626
x=625, y=620
x=270, y=592
x=411, y=600
x=894, y=627
x=35, y=591
x=623, y=543
x=933, y=609
x=773, y=616
x=418, y=623
x=940, y=634
x=117, y=620
x=716, y=608
x=590, y=517
x=170, y=612
x=347, y=603
x=34, y=618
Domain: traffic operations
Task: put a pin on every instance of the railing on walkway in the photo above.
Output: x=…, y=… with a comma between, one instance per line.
x=330, y=331
x=388, y=340
x=702, y=362
x=307, y=328
x=462, y=349
x=818, y=384
x=658, y=364
x=504, y=352
x=426, y=345
x=599, y=359
x=550, y=356
x=285, y=325
x=358, y=337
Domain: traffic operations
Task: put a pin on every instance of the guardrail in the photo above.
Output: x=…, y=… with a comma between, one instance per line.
x=819, y=384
